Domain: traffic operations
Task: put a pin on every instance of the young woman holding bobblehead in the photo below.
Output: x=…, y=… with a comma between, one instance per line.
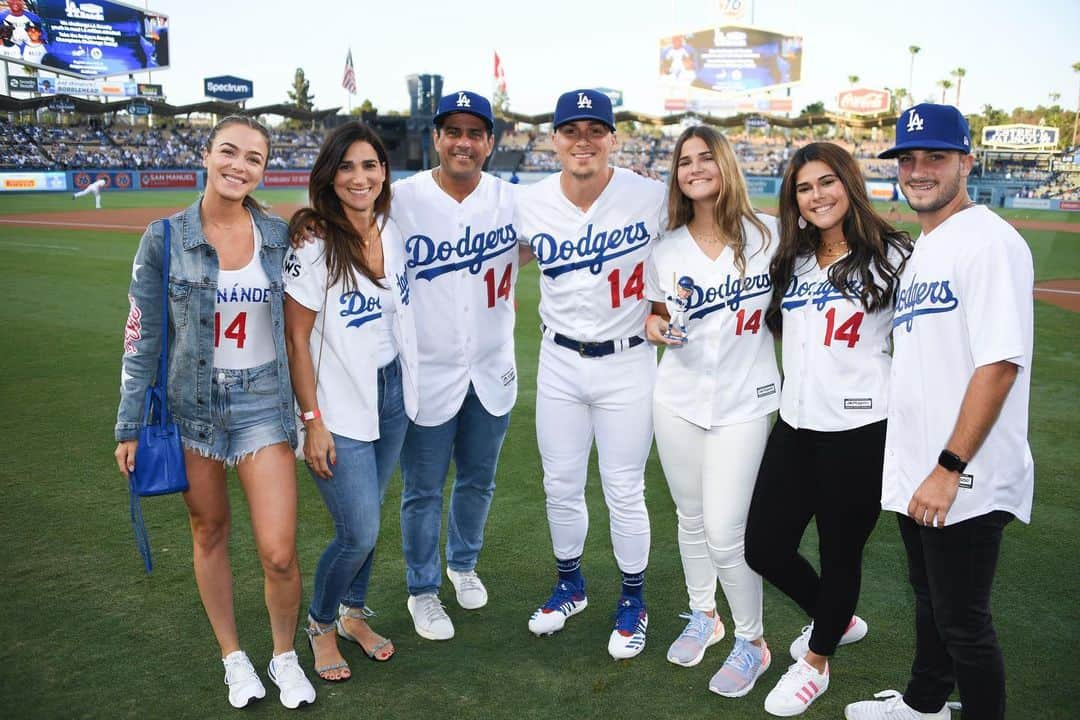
x=714, y=393
x=228, y=390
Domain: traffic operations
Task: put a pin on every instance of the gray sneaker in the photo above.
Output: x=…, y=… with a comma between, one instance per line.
x=700, y=633
x=429, y=617
x=744, y=665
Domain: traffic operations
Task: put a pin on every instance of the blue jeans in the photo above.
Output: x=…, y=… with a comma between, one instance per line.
x=473, y=438
x=354, y=498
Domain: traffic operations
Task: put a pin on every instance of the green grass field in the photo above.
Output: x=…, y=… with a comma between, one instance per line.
x=86, y=634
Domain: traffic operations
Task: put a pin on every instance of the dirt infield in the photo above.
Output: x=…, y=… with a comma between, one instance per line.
x=1063, y=293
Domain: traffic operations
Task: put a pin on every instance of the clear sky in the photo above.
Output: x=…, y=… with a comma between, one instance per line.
x=1015, y=53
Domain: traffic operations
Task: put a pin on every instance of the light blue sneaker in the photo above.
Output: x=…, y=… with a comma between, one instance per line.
x=746, y=663
x=700, y=633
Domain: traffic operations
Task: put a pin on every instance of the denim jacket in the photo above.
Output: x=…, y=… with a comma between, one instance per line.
x=193, y=274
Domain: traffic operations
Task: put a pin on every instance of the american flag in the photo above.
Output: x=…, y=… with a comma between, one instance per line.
x=500, y=75
x=349, y=81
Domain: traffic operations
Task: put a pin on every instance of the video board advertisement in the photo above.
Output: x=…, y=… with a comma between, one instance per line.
x=84, y=39
x=731, y=59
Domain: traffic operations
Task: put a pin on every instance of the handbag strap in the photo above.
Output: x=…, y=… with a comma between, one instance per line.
x=163, y=358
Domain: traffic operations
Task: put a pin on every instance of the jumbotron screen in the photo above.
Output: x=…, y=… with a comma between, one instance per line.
x=85, y=39
x=731, y=59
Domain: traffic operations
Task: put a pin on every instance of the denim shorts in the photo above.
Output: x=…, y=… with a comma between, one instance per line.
x=244, y=412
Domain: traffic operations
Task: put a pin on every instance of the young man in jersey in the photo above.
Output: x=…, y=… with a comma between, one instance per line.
x=957, y=463
x=590, y=228
x=462, y=262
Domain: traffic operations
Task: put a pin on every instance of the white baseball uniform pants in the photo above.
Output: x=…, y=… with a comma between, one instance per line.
x=608, y=399
x=91, y=190
x=711, y=475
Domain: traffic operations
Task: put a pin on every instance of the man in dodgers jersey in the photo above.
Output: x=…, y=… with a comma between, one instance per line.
x=462, y=261
x=957, y=463
x=591, y=228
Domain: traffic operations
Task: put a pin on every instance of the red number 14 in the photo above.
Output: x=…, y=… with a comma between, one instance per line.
x=847, y=332
x=634, y=288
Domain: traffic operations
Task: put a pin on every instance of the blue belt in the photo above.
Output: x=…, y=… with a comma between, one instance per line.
x=594, y=349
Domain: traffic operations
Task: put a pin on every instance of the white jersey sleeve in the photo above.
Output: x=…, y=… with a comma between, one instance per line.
x=592, y=263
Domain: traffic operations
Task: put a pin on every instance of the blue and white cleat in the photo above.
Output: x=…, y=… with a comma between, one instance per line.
x=628, y=637
x=566, y=599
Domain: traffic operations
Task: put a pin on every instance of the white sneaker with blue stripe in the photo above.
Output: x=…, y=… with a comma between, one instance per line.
x=567, y=599
x=628, y=637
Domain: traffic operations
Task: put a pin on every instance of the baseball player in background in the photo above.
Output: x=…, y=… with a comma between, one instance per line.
x=462, y=263
x=94, y=189
x=591, y=228
x=957, y=463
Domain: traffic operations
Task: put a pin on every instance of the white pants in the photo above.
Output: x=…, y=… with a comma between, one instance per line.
x=609, y=399
x=91, y=190
x=711, y=475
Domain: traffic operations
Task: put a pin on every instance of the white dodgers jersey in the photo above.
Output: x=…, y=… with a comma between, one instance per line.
x=462, y=263
x=592, y=263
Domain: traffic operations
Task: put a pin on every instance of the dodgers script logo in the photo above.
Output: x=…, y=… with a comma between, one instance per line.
x=732, y=292
x=470, y=251
x=923, y=298
x=593, y=249
x=403, y=287
x=819, y=293
x=361, y=308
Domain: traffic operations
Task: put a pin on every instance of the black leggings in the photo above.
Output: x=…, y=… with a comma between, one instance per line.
x=835, y=478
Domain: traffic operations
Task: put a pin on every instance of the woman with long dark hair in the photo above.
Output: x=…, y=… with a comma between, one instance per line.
x=715, y=389
x=834, y=277
x=352, y=353
x=228, y=390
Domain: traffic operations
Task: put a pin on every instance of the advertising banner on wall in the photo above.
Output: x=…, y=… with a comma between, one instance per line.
x=864, y=101
x=1020, y=137
x=87, y=88
x=285, y=178
x=29, y=181
x=85, y=39
x=157, y=179
x=228, y=87
x=118, y=179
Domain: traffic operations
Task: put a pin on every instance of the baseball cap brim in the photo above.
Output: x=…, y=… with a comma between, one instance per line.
x=584, y=116
x=923, y=145
x=455, y=111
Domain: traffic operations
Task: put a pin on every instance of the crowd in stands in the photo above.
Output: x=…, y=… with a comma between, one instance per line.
x=34, y=147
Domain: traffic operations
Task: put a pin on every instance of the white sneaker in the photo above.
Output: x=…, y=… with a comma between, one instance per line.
x=700, y=633
x=631, y=621
x=800, y=686
x=566, y=601
x=244, y=683
x=893, y=708
x=286, y=673
x=429, y=617
x=471, y=593
x=856, y=631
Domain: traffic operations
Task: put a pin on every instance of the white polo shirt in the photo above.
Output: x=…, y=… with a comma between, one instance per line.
x=592, y=264
x=835, y=354
x=965, y=301
x=347, y=388
x=726, y=373
x=462, y=262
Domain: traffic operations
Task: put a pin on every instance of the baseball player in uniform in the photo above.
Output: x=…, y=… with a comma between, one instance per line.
x=957, y=463
x=462, y=262
x=591, y=228
x=94, y=189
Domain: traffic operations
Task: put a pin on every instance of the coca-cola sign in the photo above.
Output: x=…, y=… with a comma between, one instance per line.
x=864, y=101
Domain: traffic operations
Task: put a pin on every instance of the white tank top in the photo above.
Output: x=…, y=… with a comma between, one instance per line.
x=386, y=349
x=242, y=327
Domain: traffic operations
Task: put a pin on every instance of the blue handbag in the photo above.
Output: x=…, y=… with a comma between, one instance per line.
x=159, y=457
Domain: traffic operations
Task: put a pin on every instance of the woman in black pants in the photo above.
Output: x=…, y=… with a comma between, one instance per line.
x=834, y=276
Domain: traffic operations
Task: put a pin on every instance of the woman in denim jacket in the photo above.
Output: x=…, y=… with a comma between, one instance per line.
x=229, y=390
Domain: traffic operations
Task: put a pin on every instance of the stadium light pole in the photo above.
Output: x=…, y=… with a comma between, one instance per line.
x=914, y=50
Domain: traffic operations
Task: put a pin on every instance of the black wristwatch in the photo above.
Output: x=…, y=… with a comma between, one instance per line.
x=951, y=461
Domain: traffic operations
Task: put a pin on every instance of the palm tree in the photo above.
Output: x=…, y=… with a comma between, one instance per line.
x=914, y=50
x=1076, y=69
x=959, y=74
x=1054, y=97
x=944, y=85
x=852, y=79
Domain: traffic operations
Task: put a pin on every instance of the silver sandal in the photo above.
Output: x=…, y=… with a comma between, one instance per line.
x=361, y=614
x=315, y=629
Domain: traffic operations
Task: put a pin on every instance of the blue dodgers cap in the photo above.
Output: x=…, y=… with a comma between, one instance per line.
x=465, y=101
x=930, y=127
x=584, y=105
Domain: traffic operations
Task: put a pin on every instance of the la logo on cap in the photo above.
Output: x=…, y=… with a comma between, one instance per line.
x=914, y=121
x=463, y=100
x=583, y=101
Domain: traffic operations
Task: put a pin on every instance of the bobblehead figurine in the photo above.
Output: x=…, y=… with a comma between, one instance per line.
x=677, y=306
